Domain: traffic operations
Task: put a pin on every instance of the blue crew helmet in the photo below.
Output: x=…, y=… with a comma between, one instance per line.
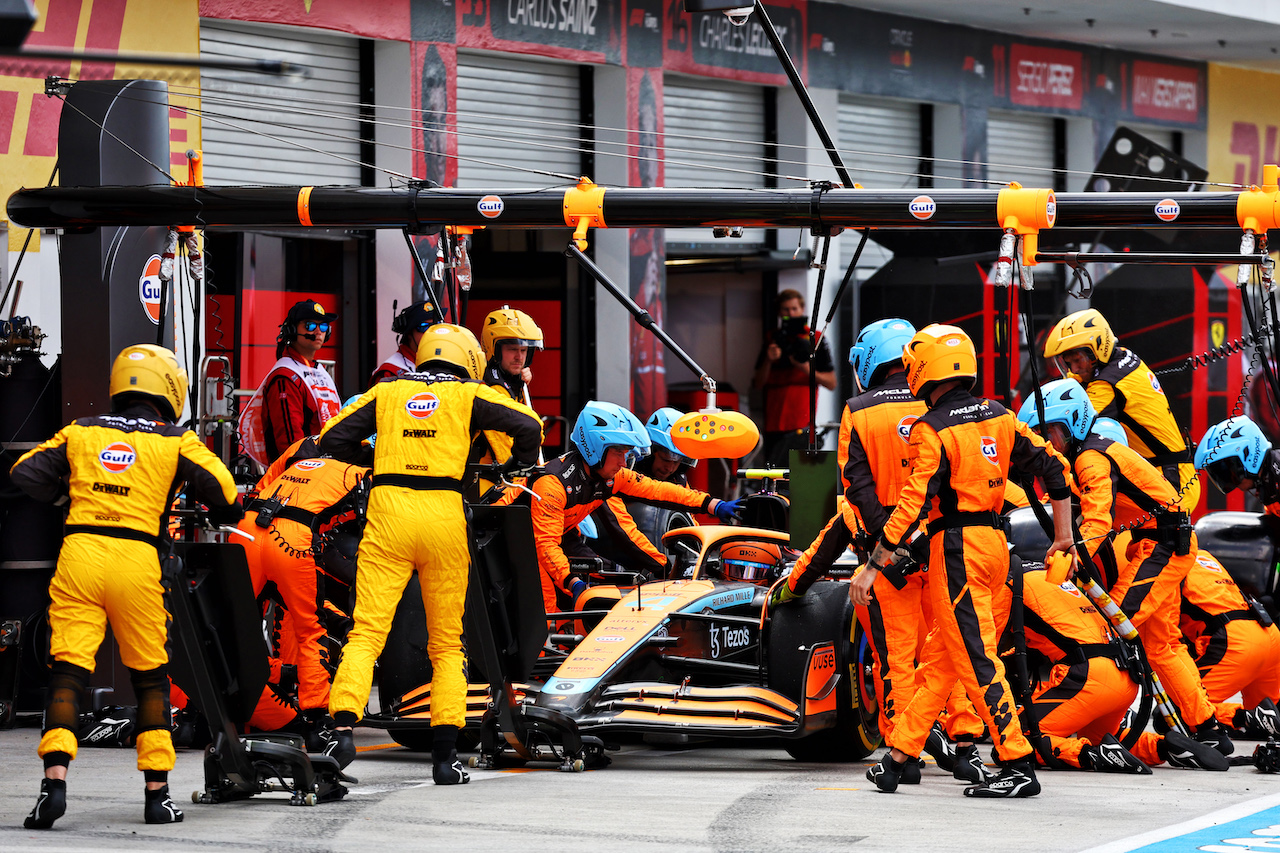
x=1110, y=428
x=603, y=425
x=1065, y=403
x=373, y=436
x=659, y=428
x=879, y=344
x=1231, y=451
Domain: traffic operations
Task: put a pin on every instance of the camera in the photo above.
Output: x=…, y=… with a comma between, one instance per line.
x=792, y=337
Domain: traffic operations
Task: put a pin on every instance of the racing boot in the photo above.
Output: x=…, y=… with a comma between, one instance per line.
x=887, y=773
x=1260, y=723
x=911, y=772
x=941, y=749
x=51, y=804
x=1181, y=751
x=159, y=807
x=1110, y=756
x=447, y=769
x=1017, y=779
x=1212, y=733
x=340, y=745
x=1266, y=757
x=969, y=766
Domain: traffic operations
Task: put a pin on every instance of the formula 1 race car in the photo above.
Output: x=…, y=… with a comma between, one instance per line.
x=699, y=655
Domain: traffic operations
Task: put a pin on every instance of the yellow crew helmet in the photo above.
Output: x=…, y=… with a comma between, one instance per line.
x=153, y=372
x=1087, y=330
x=937, y=353
x=454, y=346
x=509, y=324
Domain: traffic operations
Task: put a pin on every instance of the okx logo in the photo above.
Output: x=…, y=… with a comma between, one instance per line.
x=990, y=450
x=149, y=289
x=117, y=457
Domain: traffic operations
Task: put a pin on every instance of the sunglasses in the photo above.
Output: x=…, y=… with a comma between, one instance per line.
x=311, y=327
x=422, y=327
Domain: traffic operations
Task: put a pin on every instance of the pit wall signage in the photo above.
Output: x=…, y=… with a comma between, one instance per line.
x=1244, y=126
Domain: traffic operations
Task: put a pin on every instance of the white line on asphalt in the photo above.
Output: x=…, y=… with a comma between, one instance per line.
x=1216, y=818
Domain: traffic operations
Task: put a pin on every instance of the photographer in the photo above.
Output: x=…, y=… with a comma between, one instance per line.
x=782, y=371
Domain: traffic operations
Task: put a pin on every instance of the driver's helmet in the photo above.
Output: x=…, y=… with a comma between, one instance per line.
x=757, y=562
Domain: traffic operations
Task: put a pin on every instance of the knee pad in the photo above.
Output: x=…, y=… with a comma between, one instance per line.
x=151, y=687
x=66, y=684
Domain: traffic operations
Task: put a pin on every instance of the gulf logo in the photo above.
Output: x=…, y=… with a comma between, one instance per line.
x=422, y=406
x=149, y=289
x=990, y=450
x=1167, y=210
x=1071, y=588
x=117, y=457
x=309, y=464
x=1051, y=209
x=922, y=207
x=1155, y=383
x=904, y=427
x=490, y=206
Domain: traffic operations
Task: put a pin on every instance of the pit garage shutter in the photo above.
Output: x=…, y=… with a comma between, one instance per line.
x=517, y=111
x=1020, y=148
x=280, y=130
x=869, y=129
x=706, y=124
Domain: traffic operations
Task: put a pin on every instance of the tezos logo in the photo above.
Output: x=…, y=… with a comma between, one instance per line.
x=309, y=464
x=922, y=207
x=490, y=207
x=149, y=289
x=904, y=427
x=990, y=450
x=117, y=457
x=1155, y=383
x=1167, y=210
x=422, y=406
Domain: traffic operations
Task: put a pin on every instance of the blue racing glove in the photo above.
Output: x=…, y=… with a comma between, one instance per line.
x=576, y=586
x=727, y=511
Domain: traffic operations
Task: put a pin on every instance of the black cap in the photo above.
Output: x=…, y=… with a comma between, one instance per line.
x=308, y=309
x=413, y=316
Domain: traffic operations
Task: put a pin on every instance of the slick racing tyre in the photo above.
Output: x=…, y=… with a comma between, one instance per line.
x=823, y=614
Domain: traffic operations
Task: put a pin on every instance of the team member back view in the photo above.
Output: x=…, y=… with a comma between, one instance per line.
x=120, y=472
x=425, y=422
x=964, y=450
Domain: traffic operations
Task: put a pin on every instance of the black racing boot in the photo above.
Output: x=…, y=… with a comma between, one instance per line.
x=941, y=749
x=911, y=771
x=887, y=773
x=159, y=807
x=50, y=805
x=1016, y=780
x=1212, y=733
x=340, y=745
x=1181, y=751
x=1110, y=756
x=969, y=766
x=1262, y=722
x=447, y=769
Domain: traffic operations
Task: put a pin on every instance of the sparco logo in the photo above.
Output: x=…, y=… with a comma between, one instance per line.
x=1167, y=210
x=490, y=207
x=990, y=450
x=117, y=457
x=922, y=207
x=422, y=405
x=729, y=639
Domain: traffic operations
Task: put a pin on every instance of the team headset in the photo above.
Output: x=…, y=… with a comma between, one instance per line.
x=400, y=322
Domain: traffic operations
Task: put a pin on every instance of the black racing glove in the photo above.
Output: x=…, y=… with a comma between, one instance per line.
x=515, y=469
x=225, y=516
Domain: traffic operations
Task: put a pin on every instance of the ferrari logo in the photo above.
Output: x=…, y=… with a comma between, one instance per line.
x=1217, y=333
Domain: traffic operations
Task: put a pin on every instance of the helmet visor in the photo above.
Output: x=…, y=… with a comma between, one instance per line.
x=676, y=458
x=747, y=570
x=1226, y=474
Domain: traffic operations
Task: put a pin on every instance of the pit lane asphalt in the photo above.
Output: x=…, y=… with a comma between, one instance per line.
x=651, y=799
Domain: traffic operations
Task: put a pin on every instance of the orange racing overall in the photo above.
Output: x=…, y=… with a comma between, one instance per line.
x=964, y=449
